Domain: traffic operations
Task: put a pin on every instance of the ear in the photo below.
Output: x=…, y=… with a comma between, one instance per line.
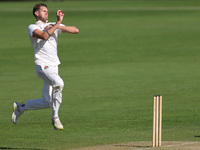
x=36, y=13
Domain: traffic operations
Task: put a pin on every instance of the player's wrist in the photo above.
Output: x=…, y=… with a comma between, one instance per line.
x=48, y=33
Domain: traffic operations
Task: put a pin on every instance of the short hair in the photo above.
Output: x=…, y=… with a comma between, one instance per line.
x=37, y=7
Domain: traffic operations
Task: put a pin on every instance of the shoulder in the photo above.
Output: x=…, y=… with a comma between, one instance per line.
x=33, y=25
x=37, y=24
x=32, y=28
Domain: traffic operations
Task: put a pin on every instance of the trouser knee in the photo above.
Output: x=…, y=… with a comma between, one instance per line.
x=59, y=85
x=57, y=92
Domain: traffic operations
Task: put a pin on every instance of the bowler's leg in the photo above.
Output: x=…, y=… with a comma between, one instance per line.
x=56, y=101
x=52, y=92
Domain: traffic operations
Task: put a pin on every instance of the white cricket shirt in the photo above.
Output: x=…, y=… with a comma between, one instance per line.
x=45, y=51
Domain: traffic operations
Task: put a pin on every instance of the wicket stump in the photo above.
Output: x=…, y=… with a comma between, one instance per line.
x=157, y=121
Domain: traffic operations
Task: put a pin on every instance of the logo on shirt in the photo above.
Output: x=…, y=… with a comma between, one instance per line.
x=45, y=67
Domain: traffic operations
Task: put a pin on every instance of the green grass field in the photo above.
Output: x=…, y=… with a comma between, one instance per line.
x=125, y=53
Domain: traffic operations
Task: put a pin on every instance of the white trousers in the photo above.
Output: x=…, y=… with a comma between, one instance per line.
x=52, y=90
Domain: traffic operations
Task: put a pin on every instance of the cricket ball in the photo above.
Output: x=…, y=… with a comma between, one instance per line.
x=60, y=12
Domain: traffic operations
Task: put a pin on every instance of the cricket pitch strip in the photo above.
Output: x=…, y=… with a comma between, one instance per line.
x=145, y=145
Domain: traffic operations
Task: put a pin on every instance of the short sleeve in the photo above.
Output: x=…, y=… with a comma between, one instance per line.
x=60, y=31
x=32, y=28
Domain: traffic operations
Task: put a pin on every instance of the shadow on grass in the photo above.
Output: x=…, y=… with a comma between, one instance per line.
x=21, y=148
x=197, y=136
x=132, y=146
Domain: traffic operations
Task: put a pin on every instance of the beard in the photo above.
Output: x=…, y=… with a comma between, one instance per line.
x=44, y=19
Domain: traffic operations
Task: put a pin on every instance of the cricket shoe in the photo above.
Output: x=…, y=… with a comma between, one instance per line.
x=57, y=124
x=16, y=112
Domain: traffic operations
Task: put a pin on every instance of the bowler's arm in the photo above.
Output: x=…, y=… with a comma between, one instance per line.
x=46, y=34
x=69, y=29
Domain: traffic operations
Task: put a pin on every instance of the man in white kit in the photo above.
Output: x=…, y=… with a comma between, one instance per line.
x=44, y=38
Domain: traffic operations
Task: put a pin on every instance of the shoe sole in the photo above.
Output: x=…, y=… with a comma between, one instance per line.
x=56, y=128
x=14, y=107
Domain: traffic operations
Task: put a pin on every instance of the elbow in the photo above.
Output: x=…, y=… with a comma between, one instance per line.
x=70, y=29
x=76, y=30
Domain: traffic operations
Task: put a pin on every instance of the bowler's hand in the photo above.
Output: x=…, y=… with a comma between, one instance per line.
x=60, y=16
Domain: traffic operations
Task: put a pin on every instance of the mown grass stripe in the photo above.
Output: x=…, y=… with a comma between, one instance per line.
x=110, y=9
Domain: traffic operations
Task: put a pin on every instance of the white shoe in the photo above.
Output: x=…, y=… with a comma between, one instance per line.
x=57, y=124
x=16, y=112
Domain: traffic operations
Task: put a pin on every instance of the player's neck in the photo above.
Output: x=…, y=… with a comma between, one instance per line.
x=43, y=21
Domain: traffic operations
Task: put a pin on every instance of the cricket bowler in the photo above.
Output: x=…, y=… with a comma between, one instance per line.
x=44, y=38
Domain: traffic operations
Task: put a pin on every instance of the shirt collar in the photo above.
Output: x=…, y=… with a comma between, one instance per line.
x=41, y=21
